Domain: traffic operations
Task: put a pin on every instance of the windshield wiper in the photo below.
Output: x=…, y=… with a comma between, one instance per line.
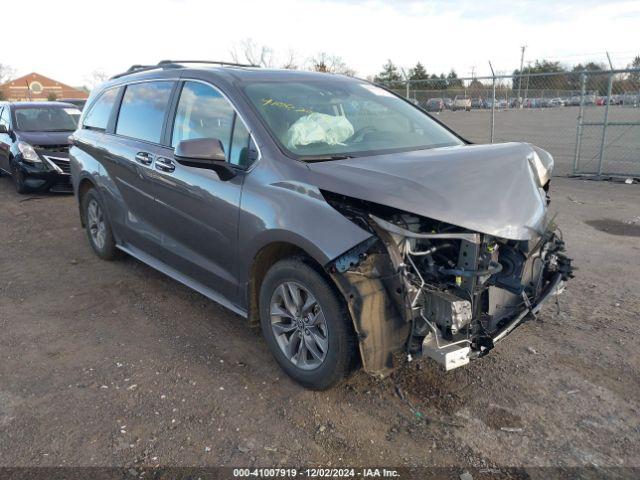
x=324, y=158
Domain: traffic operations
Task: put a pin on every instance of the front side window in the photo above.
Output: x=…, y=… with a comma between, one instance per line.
x=143, y=109
x=46, y=119
x=343, y=118
x=202, y=113
x=243, y=152
x=98, y=117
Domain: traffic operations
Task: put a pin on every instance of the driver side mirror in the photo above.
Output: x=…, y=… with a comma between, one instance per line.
x=207, y=153
x=3, y=129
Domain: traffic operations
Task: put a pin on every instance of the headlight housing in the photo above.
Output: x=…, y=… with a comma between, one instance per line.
x=541, y=168
x=28, y=153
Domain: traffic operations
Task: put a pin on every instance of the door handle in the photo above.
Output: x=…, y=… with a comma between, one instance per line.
x=165, y=165
x=145, y=158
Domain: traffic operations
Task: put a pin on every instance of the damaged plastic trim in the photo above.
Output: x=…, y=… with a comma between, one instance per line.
x=555, y=286
x=373, y=289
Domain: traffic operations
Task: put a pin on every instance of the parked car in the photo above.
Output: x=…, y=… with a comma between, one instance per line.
x=461, y=103
x=343, y=233
x=499, y=103
x=555, y=102
x=78, y=102
x=448, y=103
x=630, y=100
x=478, y=103
x=434, y=105
x=34, y=145
x=535, y=103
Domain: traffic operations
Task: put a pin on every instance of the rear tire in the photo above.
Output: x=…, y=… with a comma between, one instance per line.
x=97, y=226
x=306, y=325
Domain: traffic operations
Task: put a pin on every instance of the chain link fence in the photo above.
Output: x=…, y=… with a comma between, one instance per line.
x=589, y=121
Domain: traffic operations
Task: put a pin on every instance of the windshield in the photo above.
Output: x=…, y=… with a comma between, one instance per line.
x=339, y=118
x=46, y=119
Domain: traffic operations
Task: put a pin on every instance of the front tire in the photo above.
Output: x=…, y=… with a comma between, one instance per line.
x=18, y=181
x=305, y=325
x=97, y=226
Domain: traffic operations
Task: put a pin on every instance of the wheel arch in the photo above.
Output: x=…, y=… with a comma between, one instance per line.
x=267, y=256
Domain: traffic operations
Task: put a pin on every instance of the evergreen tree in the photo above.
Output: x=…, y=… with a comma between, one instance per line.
x=593, y=81
x=418, y=72
x=453, y=80
x=389, y=74
x=542, y=82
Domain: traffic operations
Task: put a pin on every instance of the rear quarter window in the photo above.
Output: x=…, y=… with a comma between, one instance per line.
x=99, y=113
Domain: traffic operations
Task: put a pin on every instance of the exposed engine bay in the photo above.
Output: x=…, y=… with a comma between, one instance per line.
x=449, y=293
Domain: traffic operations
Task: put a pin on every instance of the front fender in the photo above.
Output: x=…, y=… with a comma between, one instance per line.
x=295, y=213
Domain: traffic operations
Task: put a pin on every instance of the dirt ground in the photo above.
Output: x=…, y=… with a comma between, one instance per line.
x=114, y=364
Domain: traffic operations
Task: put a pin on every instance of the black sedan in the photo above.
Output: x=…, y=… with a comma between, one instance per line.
x=34, y=144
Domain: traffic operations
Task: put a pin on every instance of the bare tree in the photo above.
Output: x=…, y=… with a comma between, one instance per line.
x=291, y=60
x=248, y=51
x=96, y=78
x=7, y=72
x=323, y=62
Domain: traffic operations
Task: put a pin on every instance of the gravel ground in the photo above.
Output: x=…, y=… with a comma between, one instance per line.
x=114, y=364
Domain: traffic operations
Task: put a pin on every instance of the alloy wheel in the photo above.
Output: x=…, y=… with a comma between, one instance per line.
x=299, y=325
x=96, y=224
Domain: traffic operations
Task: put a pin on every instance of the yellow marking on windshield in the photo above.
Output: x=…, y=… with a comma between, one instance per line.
x=270, y=102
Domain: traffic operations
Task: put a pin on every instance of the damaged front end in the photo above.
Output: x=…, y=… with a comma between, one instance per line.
x=439, y=290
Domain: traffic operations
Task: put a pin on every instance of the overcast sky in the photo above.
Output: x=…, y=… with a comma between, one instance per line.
x=68, y=39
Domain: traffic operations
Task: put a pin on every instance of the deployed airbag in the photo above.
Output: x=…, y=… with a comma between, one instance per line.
x=319, y=128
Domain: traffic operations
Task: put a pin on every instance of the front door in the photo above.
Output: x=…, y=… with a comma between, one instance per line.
x=197, y=211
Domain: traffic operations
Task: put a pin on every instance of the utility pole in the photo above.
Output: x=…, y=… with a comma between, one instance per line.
x=406, y=79
x=609, y=59
x=522, y=48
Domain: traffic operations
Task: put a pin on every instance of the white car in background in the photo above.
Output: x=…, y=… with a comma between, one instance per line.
x=462, y=103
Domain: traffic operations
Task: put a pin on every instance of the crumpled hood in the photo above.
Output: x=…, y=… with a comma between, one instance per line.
x=484, y=188
x=44, y=139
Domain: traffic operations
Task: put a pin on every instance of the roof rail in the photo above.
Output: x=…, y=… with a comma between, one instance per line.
x=176, y=64
x=215, y=62
x=135, y=69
